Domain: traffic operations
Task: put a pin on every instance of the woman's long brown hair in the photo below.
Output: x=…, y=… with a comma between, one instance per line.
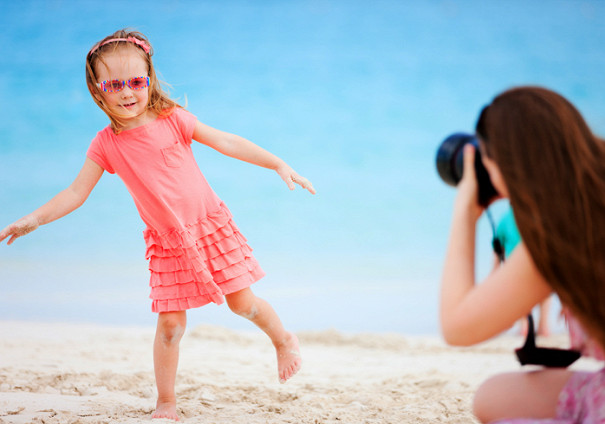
x=554, y=169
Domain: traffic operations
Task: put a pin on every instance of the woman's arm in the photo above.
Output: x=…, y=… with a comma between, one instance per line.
x=472, y=313
x=239, y=148
x=63, y=203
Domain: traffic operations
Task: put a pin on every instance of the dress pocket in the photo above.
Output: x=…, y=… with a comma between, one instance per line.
x=173, y=155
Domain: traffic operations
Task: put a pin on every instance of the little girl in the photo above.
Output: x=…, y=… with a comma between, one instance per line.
x=196, y=253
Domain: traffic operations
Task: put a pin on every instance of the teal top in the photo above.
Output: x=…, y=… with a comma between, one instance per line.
x=508, y=233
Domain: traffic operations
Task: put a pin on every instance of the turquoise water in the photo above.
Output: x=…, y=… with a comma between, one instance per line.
x=355, y=97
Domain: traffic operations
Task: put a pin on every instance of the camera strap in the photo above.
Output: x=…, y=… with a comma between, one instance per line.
x=529, y=353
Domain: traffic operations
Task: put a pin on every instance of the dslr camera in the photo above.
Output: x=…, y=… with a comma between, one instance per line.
x=450, y=165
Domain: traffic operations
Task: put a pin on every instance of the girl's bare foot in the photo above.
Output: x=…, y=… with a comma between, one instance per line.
x=166, y=410
x=288, y=357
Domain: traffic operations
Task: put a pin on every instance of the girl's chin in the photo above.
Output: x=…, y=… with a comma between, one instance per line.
x=133, y=119
x=126, y=113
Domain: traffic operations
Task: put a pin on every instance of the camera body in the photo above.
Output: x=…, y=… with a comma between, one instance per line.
x=450, y=164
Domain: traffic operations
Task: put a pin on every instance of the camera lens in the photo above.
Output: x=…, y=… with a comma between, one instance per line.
x=450, y=157
x=450, y=164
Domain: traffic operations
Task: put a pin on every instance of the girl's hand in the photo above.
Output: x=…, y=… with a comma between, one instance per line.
x=468, y=188
x=291, y=177
x=24, y=226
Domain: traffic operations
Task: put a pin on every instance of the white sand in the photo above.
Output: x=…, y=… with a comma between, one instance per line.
x=66, y=373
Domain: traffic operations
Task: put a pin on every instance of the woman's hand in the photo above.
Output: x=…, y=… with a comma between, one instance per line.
x=458, y=279
x=468, y=188
x=24, y=226
x=291, y=177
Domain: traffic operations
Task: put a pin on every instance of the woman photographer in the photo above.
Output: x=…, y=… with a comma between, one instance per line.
x=540, y=153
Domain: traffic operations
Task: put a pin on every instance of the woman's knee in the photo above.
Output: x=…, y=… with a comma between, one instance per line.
x=531, y=394
x=486, y=398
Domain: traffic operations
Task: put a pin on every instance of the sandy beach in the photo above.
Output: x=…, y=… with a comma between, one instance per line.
x=69, y=373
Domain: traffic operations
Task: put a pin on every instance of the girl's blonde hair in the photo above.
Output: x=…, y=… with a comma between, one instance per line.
x=159, y=101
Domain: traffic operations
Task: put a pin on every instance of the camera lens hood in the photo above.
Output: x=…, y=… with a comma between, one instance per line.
x=449, y=157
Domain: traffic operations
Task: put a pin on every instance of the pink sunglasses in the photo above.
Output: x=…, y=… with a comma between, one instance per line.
x=115, y=86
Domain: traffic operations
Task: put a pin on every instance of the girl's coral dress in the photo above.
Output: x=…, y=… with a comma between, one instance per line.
x=196, y=253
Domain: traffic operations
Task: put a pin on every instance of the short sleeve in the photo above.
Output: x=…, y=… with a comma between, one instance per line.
x=96, y=152
x=185, y=121
x=508, y=233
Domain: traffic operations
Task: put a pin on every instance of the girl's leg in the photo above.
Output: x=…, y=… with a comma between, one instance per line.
x=170, y=330
x=520, y=395
x=246, y=304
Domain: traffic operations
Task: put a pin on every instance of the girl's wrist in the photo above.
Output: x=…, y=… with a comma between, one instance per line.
x=34, y=219
x=279, y=164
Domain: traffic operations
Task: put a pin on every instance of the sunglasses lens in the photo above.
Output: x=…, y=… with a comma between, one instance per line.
x=138, y=83
x=113, y=85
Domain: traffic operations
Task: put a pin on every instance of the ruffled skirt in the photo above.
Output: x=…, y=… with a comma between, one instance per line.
x=199, y=264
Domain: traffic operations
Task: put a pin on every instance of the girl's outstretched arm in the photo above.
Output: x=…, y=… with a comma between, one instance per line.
x=472, y=313
x=63, y=203
x=239, y=148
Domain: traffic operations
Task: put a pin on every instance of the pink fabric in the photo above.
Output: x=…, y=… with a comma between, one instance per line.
x=580, y=340
x=134, y=40
x=582, y=401
x=196, y=252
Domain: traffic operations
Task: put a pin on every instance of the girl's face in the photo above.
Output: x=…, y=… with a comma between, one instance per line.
x=129, y=104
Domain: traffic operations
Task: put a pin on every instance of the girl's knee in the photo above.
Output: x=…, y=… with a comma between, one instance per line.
x=171, y=327
x=243, y=303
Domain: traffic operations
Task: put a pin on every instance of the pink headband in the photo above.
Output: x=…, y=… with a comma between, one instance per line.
x=134, y=40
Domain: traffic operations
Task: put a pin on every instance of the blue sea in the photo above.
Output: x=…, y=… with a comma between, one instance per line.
x=355, y=95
